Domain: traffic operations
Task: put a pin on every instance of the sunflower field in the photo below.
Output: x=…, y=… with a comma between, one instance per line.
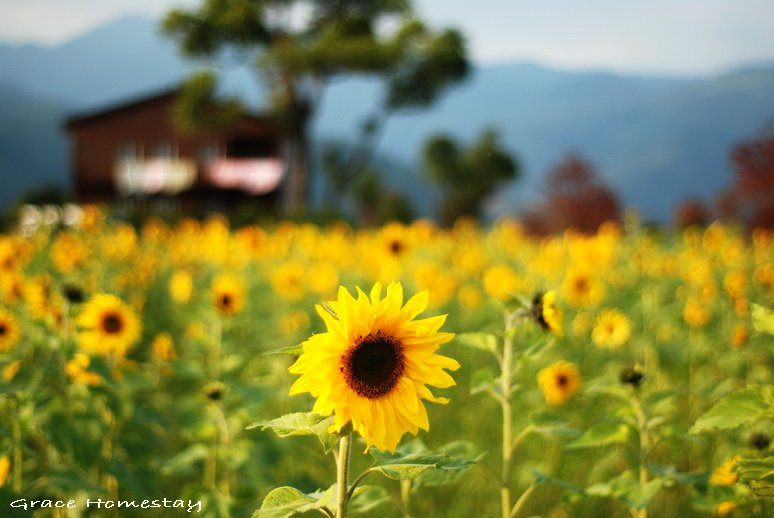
x=292, y=369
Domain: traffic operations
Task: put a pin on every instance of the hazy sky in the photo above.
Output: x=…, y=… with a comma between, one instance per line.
x=667, y=36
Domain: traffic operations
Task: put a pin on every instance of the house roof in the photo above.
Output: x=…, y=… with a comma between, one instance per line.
x=131, y=104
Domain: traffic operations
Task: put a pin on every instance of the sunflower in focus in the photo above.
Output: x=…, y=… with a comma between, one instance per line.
x=228, y=294
x=373, y=365
x=559, y=382
x=612, y=329
x=108, y=326
x=9, y=331
x=546, y=313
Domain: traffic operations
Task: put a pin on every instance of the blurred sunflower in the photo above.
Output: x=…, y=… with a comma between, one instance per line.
x=9, y=331
x=77, y=370
x=612, y=329
x=695, y=313
x=68, y=252
x=5, y=467
x=287, y=281
x=374, y=363
x=108, y=326
x=725, y=508
x=559, y=382
x=395, y=239
x=228, y=294
x=501, y=282
x=582, y=288
x=181, y=286
x=546, y=313
x=724, y=474
x=162, y=347
x=11, y=370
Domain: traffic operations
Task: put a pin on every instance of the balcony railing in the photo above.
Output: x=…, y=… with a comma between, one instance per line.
x=253, y=175
x=154, y=176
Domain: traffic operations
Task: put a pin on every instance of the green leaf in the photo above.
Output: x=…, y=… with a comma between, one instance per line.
x=302, y=423
x=482, y=341
x=185, y=459
x=292, y=350
x=457, y=450
x=402, y=466
x=659, y=396
x=740, y=407
x=696, y=478
x=758, y=474
x=538, y=346
x=762, y=319
x=627, y=489
x=602, y=434
x=551, y=424
x=368, y=498
x=483, y=380
x=543, y=478
x=66, y=481
x=284, y=502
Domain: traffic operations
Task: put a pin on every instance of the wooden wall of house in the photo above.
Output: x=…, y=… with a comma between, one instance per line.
x=98, y=141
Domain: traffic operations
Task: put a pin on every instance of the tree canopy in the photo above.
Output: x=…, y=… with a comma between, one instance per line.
x=299, y=46
x=467, y=175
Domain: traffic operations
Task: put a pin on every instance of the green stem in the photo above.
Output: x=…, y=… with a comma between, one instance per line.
x=109, y=482
x=17, y=446
x=211, y=463
x=505, y=488
x=520, y=438
x=355, y=482
x=642, y=424
x=224, y=441
x=521, y=501
x=342, y=474
x=405, y=497
x=215, y=351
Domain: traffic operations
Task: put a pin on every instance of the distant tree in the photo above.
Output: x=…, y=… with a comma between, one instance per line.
x=299, y=46
x=373, y=201
x=691, y=212
x=467, y=176
x=750, y=199
x=575, y=198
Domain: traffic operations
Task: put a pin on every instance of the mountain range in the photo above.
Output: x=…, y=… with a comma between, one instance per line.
x=655, y=140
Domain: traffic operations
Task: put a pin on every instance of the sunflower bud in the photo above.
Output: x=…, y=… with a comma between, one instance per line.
x=546, y=313
x=759, y=441
x=214, y=391
x=632, y=376
x=74, y=294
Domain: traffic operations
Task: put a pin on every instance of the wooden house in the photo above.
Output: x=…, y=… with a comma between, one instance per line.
x=133, y=151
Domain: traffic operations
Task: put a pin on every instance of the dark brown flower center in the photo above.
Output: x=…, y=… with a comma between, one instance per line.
x=396, y=247
x=3, y=329
x=112, y=323
x=373, y=366
x=581, y=285
x=561, y=380
x=226, y=301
